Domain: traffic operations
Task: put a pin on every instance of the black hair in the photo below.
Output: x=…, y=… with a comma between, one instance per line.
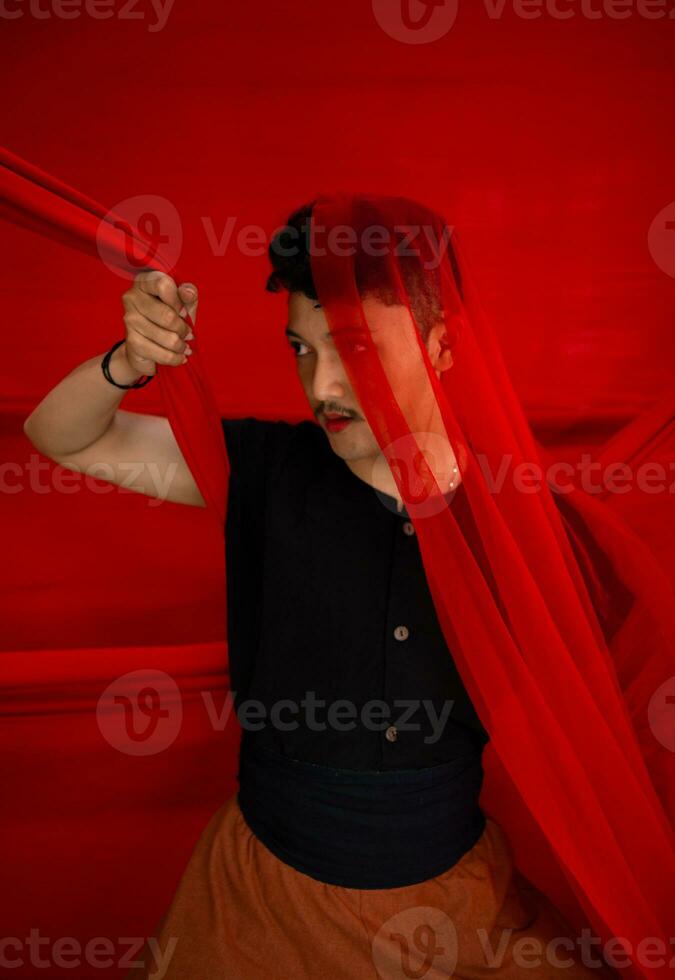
x=289, y=254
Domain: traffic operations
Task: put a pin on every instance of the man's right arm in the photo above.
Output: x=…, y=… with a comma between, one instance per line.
x=79, y=423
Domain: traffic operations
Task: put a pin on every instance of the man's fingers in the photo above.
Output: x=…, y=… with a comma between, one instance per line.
x=156, y=311
x=160, y=285
x=189, y=296
x=143, y=347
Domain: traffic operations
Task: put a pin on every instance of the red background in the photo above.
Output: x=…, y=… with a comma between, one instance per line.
x=548, y=143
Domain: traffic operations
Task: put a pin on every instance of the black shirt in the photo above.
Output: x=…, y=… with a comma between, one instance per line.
x=328, y=602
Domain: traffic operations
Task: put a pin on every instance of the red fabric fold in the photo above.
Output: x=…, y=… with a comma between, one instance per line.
x=572, y=751
x=36, y=200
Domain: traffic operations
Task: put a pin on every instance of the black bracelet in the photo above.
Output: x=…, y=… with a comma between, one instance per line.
x=106, y=370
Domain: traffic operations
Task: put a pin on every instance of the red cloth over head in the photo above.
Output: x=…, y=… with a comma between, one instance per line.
x=573, y=758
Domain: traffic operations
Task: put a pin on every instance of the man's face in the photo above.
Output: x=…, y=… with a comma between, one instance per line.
x=325, y=380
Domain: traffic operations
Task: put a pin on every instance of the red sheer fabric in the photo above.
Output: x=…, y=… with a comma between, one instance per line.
x=574, y=771
x=34, y=199
x=572, y=751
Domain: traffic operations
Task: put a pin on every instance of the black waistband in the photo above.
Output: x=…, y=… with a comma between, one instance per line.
x=361, y=829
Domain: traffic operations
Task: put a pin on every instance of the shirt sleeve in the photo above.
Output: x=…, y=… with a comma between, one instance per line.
x=243, y=443
x=245, y=440
x=255, y=450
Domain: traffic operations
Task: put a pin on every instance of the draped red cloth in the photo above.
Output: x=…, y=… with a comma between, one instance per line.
x=36, y=200
x=565, y=705
x=574, y=771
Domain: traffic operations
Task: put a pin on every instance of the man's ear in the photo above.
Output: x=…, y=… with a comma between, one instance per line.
x=439, y=348
x=445, y=354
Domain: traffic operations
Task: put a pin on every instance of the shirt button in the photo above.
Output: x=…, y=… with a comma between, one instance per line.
x=391, y=733
x=408, y=528
x=401, y=632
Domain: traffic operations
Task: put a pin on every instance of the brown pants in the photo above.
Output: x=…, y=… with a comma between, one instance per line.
x=240, y=913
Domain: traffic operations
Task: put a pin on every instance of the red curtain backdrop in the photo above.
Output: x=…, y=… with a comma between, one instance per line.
x=546, y=141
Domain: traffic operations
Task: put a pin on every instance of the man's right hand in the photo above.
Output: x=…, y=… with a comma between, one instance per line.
x=157, y=333
x=79, y=423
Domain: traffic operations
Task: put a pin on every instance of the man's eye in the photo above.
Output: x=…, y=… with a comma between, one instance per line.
x=296, y=345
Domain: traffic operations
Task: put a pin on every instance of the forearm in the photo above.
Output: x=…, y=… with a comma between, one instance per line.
x=81, y=407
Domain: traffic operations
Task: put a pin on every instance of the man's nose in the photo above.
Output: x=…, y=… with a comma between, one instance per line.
x=328, y=381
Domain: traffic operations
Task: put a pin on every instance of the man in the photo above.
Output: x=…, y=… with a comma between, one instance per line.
x=356, y=845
